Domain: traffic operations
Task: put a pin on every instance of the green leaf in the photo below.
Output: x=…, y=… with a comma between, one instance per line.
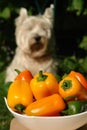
x=30, y=11
x=76, y=5
x=83, y=44
x=85, y=11
x=5, y=13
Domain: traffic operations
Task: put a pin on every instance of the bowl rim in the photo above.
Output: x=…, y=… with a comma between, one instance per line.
x=45, y=117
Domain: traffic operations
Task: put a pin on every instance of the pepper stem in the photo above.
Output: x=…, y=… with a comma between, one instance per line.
x=20, y=107
x=41, y=77
x=67, y=84
x=18, y=71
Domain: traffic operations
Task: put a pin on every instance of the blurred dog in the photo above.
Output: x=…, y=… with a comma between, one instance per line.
x=35, y=44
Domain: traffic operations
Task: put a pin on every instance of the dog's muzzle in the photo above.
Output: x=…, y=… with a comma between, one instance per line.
x=38, y=38
x=38, y=44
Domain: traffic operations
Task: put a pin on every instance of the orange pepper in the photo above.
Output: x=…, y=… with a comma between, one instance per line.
x=43, y=84
x=19, y=95
x=47, y=106
x=70, y=86
x=24, y=75
x=80, y=77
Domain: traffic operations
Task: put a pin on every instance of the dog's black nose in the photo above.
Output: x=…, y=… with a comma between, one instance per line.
x=38, y=38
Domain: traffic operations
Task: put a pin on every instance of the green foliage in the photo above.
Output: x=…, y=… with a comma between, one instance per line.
x=78, y=6
x=83, y=44
x=6, y=13
x=83, y=65
x=5, y=115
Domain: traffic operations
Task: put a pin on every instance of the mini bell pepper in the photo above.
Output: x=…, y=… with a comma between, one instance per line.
x=80, y=77
x=47, y=106
x=43, y=84
x=19, y=95
x=24, y=75
x=69, y=86
x=75, y=107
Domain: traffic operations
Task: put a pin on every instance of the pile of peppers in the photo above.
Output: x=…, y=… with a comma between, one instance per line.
x=43, y=95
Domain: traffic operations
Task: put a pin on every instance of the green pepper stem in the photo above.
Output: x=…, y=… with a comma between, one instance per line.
x=20, y=107
x=41, y=77
x=18, y=71
x=67, y=84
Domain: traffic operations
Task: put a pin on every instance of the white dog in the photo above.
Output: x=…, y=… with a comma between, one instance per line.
x=35, y=44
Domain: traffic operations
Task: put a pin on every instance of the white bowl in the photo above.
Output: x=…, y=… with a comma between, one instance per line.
x=50, y=123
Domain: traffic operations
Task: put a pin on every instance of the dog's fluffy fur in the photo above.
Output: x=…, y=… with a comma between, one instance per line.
x=35, y=44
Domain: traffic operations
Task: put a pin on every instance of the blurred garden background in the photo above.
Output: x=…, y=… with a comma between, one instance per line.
x=70, y=28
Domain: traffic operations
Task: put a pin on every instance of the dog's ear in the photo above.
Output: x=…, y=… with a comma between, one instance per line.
x=22, y=16
x=49, y=13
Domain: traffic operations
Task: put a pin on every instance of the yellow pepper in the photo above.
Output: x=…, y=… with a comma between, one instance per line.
x=47, y=106
x=19, y=95
x=70, y=86
x=43, y=84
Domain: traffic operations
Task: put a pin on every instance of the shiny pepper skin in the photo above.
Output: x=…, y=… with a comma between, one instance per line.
x=24, y=75
x=47, y=106
x=69, y=86
x=19, y=93
x=80, y=77
x=43, y=84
